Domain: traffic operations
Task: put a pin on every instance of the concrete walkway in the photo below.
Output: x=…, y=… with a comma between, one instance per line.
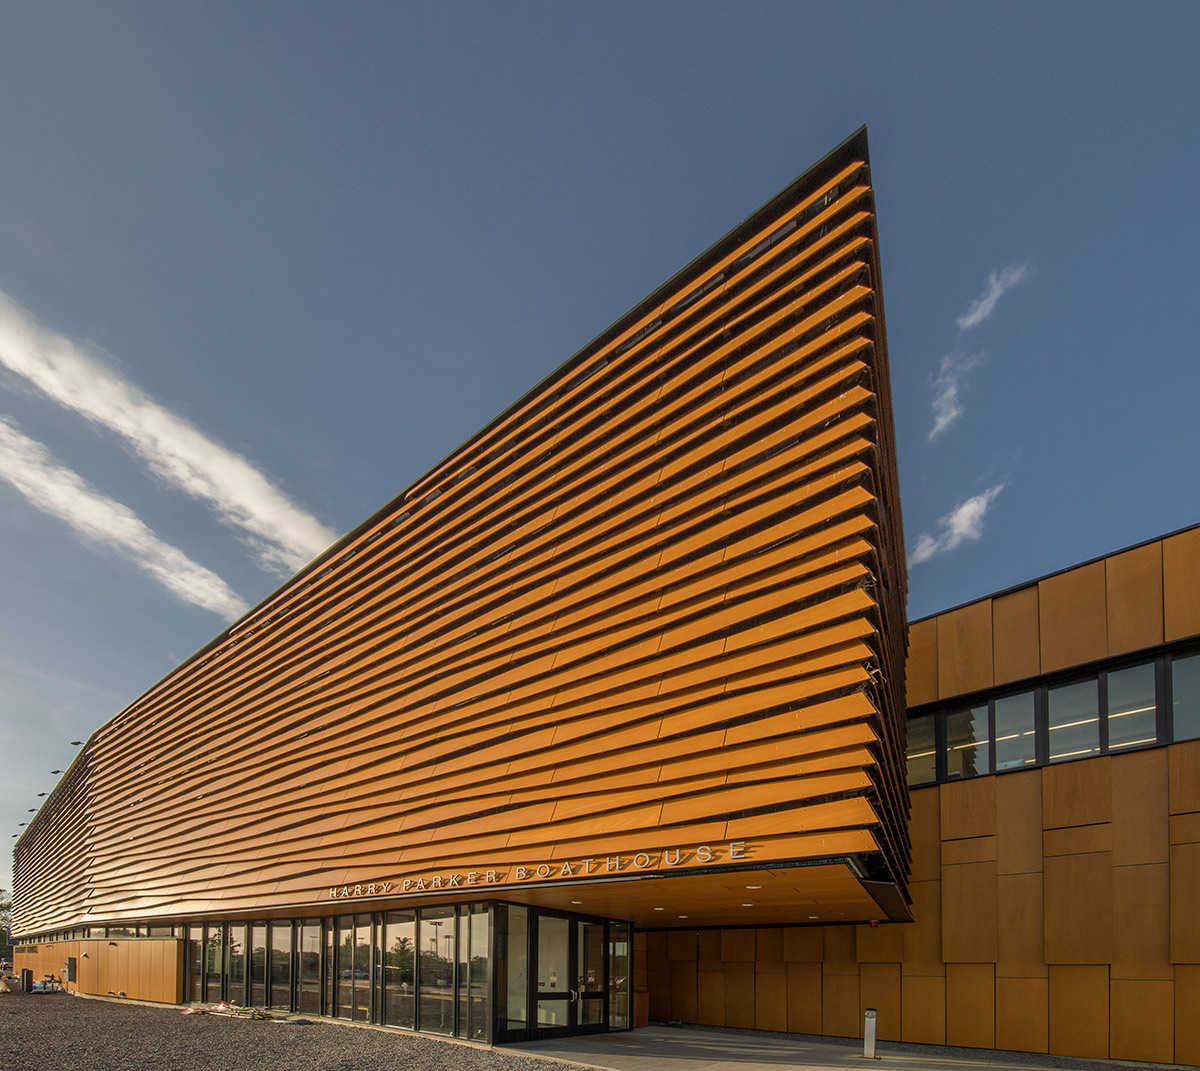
x=664, y=1048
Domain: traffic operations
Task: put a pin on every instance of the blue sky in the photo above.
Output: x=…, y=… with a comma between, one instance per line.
x=262, y=265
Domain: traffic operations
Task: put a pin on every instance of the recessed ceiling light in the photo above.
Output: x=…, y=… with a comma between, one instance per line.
x=577, y=901
x=753, y=886
x=683, y=916
x=660, y=909
x=814, y=916
x=747, y=905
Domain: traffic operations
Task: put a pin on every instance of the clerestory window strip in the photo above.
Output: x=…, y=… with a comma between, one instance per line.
x=1122, y=704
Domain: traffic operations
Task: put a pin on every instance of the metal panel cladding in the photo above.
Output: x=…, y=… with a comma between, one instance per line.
x=659, y=601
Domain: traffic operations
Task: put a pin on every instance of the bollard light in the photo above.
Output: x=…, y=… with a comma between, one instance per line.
x=869, y=1034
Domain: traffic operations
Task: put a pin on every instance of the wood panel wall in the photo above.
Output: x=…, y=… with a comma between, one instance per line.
x=149, y=969
x=660, y=599
x=1055, y=912
x=1138, y=598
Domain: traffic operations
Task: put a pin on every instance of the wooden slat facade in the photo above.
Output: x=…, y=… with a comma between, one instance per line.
x=656, y=605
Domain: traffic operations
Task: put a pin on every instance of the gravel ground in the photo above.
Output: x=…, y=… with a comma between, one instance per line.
x=59, y=1032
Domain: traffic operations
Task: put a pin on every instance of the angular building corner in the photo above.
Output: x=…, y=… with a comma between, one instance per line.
x=636, y=650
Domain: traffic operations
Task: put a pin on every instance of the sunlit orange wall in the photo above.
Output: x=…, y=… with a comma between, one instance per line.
x=1056, y=909
x=1044, y=923
x=1131, y=600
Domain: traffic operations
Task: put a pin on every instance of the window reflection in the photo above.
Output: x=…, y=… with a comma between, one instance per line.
x=195, y=954
x=280, y=970
x=475, y=979
x=967, y=752
x=922, y=753
x=308, y=990
x=362, y=967
x=1151, y=702
x=330, y=973
x=517, y=960
x=399, y=968
x=436, y=979
x=345, y=967
x=1131, y=707
x=235, y=961
x=214, y=952
x=1016, y=743
x=1185, y=697
x=1073, y=712
x=618, y=980
x=258, y=966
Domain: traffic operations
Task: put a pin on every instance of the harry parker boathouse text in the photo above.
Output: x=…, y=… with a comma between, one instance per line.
x=595, y=866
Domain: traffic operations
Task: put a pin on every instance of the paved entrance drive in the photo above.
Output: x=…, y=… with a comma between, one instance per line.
x=659, y=1048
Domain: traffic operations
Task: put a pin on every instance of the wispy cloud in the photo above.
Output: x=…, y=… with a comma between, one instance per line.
x=57, y=490
x=998, y=284
x=947, y=400
x=283, y=536
x=962, y=523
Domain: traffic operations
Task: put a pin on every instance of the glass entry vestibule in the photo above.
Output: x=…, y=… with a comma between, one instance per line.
x=560, y=974
x=483, y=971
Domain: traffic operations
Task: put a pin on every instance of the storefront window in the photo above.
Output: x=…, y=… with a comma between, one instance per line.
x=214, y=960
x=474, y=973
x=235, y=963
x=329, y=998
x=280, y=968
x=308, y=987
x=362, y=968
x=435, y=978
x=430, y=969
x=399, y=969
x=354, y=967
x=344, y=939
x=258, y=966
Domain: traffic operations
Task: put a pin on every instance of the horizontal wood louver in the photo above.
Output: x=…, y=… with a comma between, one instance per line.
x=658, y=601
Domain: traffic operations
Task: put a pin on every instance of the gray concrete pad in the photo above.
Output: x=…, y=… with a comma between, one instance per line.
x=665, y=1048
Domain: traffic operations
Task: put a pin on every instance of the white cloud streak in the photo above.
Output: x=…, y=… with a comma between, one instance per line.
x=947, y=385
x=100, y=520
x=964, y=522
x=947, y=400
x=998, y=284
x=282, y=535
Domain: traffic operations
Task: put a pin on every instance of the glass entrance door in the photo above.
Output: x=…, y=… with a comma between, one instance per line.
x=554, y=975
x=554, y=992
